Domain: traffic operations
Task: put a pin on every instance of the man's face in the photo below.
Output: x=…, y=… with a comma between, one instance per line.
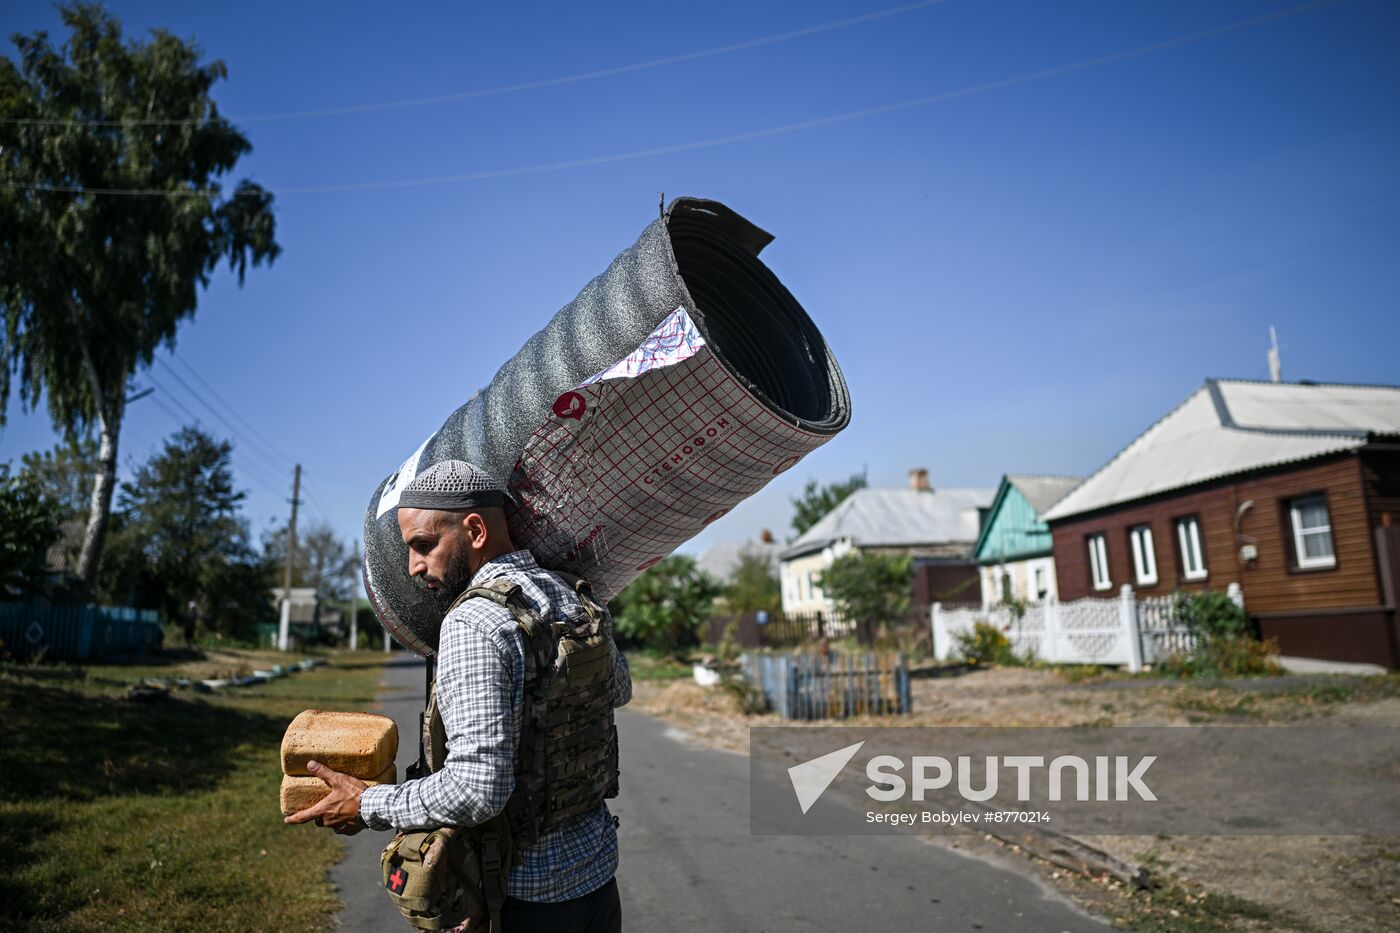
x=438, y=549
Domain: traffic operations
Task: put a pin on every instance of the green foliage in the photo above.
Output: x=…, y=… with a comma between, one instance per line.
x=664, y=607
x=65, y=473
x=1225, y=657
x=91, y=285
x=753, y=587
x=816, y=500
x=870, y=588
x=179, y=537
x=1225, y=646
x=1212, y=615
x=986, y=644
x=29, y=524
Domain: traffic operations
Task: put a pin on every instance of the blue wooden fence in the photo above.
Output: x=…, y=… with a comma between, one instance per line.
x=812, y=686
x=77, y=633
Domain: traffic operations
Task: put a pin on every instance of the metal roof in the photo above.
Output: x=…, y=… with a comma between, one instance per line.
x=1042, y=491
x=1234, y=426
x=720, y=560
x=898, y=518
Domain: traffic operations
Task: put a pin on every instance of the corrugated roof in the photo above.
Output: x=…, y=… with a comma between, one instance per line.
x=722, y=559
x=1233, y=426
x=898, y=518
x=1042, y=491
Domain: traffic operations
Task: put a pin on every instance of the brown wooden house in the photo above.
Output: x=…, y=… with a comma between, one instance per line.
x=1290, y=490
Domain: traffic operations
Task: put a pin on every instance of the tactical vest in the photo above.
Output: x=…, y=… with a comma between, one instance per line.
x=567, y=761
x=566, y=765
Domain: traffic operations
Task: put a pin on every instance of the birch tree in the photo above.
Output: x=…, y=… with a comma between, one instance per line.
x=114, y=218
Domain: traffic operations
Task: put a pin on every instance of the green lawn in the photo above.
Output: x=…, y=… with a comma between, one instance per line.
x=116, y=815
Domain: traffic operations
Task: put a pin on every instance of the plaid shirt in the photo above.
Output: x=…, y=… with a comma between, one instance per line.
x=480, y=693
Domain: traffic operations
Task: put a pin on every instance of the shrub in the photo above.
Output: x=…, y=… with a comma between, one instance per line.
x=986, y=644
x=747, y=699
x=665, y=606
x=870, y=588
x=1224, y=657
x=1225, y=646
x=1212, y=615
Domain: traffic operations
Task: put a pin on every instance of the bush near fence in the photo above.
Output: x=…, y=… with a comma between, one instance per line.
x=38, y=629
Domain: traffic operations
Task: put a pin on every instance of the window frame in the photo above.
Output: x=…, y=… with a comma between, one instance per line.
x=1301, y=561
x=1097, y=544
x=1141, y=545
x=1183, y=550
x=1040, y=582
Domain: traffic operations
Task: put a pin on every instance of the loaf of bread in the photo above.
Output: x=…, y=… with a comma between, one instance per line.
x=361, y=745
x=300, y=792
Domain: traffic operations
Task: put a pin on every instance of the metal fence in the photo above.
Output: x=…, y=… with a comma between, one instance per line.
x=813, y=686
x=78, y=632
x=1126, y=630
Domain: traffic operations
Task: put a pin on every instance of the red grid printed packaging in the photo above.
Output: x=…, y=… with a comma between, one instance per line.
x=677, y=384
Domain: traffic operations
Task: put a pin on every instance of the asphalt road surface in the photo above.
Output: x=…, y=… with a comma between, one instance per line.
x=689, y=863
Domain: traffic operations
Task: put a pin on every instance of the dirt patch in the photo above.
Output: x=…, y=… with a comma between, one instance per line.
x=1305, y=884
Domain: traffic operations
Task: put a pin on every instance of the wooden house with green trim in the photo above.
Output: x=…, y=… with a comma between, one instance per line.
x=1015, y=553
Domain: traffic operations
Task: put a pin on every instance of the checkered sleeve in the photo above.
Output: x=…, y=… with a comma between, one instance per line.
x=480, y=678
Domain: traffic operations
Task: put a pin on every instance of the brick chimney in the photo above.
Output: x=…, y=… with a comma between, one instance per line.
x=766, y=536
x=918, y=480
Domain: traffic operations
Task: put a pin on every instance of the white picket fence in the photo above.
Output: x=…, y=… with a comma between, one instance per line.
x=1127, y=630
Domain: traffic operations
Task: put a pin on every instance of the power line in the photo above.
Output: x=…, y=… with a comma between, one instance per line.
x=317, y=502
x=244, y=468
x=159, y=400
x=268, y=460
x=509, y=88
x=273, y=448
x=228, y=424
x=751, y=135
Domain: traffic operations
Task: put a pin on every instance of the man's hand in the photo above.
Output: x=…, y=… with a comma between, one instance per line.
x=340, y=809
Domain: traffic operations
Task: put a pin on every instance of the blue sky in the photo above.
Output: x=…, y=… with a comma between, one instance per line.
x=1016, y=279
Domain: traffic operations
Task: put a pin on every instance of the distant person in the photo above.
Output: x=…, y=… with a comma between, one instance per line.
x=561, y=878
x=192, y=617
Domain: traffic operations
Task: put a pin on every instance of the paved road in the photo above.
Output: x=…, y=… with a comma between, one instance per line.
x=690, y=864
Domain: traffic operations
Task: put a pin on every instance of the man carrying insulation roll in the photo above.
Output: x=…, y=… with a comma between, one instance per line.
x=508, y=825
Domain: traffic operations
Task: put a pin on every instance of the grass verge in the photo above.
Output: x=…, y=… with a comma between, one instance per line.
x=163, y=815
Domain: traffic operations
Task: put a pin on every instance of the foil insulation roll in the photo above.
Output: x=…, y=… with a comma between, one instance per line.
x=677, y=384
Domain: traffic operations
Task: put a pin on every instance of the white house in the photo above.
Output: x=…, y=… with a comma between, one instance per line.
x=938, y=528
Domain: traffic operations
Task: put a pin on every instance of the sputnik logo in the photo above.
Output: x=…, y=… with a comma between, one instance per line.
x=811, y=778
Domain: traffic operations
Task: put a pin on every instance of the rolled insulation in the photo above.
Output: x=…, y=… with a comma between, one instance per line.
x=677, y=384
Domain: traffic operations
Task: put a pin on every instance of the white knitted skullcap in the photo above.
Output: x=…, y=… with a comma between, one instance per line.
x=452, y=485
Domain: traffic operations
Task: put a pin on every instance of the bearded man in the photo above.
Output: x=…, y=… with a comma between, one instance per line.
x=453, y=520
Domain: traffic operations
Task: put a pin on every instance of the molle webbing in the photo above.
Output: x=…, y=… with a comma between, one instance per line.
x=567, y=761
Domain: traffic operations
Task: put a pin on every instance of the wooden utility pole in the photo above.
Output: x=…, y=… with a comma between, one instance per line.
x=283, y=634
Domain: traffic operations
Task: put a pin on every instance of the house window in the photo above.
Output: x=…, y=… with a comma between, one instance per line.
x=1042, y=583
x=1144, y=555
x=1312, y=533
x=1098, y=562
x=1188, y=539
